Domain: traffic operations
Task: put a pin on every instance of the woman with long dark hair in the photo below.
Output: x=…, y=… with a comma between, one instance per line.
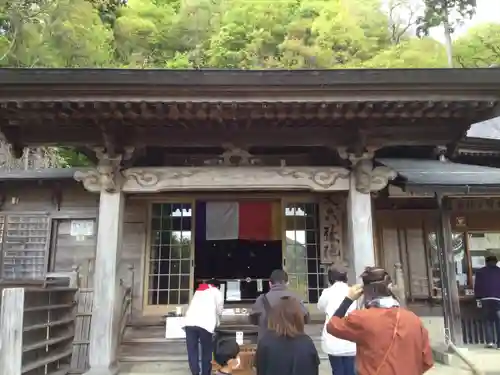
x=390, y=340
x=285, y=349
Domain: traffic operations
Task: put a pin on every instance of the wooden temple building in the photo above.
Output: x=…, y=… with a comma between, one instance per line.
x=359, y=167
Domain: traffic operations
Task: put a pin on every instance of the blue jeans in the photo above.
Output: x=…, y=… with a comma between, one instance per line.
x=491, y=310
x=343, y=365
x=198, y=337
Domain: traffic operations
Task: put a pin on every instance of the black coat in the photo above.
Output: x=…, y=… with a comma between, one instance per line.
x=278, y=355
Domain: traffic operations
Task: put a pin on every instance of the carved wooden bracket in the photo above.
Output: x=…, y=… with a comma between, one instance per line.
x=108, y=175
x=234, y=156
x=217, y=178
x=368, y=178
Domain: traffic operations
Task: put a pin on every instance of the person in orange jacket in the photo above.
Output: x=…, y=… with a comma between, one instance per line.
x=390, y=340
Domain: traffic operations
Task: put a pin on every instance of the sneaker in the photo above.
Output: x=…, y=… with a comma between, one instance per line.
x=490, y=345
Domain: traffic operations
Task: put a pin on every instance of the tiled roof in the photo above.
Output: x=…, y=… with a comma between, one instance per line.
x=489, y=129
x=435, y=175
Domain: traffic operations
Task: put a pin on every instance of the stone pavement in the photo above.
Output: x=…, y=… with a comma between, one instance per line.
x=180, y=368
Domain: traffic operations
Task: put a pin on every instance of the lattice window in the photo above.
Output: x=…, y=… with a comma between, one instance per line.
x=25, y=241
x=169, y=279
x=302, y=254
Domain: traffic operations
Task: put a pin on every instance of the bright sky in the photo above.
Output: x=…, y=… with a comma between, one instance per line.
x=487, y=11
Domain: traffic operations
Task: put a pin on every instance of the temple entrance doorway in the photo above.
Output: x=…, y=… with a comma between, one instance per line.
x=237, y=241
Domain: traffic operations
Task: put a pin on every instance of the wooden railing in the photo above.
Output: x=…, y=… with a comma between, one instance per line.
x=80, y=357
x=37, y=330
x=398, y=288
x=46, y=323
x=85, y=297
x=126, y=305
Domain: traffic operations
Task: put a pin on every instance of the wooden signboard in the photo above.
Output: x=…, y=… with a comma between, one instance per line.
x=475, y=204
x=330, y=221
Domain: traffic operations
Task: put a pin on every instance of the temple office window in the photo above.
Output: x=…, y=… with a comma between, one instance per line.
x=169, y=265
x=302, y=260
x=461, y=259
x=25, y=243
x=470, y=250
x=481, y=245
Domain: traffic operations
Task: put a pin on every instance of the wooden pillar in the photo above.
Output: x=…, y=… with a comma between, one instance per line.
x=106, y=305
x=364, y=179
x=448, y=273
x=11, y=332
x=106, y=310
x=359, y=217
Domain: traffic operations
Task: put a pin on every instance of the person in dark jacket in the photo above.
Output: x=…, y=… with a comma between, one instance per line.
x=487, y=292
x=278, y=284
x=285, y=349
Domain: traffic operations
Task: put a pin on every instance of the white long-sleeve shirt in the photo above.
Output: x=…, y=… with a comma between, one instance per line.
x=330, y=300
x=205, y=309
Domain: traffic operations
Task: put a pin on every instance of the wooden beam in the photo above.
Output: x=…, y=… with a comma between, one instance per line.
x=333, y=138
x=248, y=110
x=105, y=83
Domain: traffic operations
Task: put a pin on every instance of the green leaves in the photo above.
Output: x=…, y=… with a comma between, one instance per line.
x=245, y=34
x=479, y=48
x=439, y=12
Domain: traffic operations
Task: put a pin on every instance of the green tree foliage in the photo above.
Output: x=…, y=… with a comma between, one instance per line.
x=450, y=12
x=480, y=47
x=413, y=53
x=66, y=33
x=242, y=34
x=239, y=34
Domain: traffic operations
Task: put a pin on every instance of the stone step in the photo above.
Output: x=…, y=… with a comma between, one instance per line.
x=163, y=353
x=485, y=360
x=180, y=368
x=145, y=343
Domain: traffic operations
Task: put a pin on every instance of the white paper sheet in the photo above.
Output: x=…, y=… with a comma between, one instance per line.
x=239, y=338
x=174, y=328
x=233, y=291
x=259, y=285
x=477, y=261
x=477, y=243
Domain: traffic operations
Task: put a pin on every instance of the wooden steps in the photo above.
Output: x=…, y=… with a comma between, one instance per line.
x=144, y=342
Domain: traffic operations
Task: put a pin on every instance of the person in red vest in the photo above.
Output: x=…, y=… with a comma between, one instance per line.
x=202, y=317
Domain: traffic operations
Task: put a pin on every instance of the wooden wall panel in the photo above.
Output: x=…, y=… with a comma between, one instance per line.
x=402, y=239
x=134, y=248
x=69, y=251
x=389, y=249
x=66, y=198
x=418, y=278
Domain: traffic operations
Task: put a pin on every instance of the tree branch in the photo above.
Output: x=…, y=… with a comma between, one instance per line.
x=11, y=46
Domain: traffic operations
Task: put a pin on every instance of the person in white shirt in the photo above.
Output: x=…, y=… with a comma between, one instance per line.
x=202, y=317
x=341, y=353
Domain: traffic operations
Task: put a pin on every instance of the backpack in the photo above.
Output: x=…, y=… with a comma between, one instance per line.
x=255, y=318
